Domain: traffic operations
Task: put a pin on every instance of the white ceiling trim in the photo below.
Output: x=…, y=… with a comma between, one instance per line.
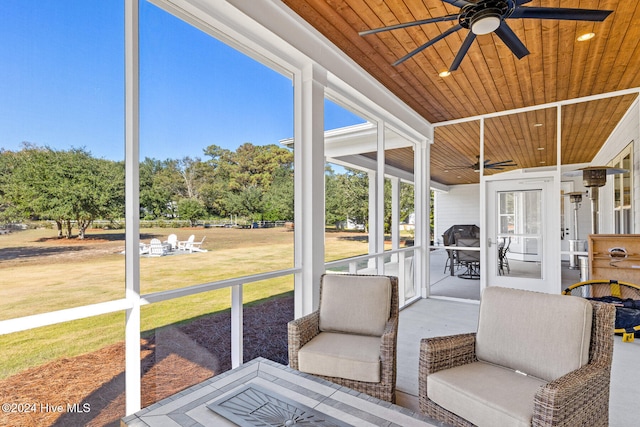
x=540, y=106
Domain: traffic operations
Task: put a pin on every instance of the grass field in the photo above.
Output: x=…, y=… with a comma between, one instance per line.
x=41, y=273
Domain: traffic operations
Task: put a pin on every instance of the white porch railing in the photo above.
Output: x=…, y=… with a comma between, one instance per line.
x=387, y=263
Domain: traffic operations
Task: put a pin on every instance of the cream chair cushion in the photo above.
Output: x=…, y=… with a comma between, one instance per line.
x=485, y=394
x=542, y=335
x=355, y=304
x=354, y=357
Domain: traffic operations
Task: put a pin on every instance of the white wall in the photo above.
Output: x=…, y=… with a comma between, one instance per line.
x=459, y=206
x=627, y=131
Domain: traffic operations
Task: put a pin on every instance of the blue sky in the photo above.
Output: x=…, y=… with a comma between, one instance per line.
x=62, y=84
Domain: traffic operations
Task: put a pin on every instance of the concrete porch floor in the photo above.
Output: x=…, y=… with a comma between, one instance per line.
x=436, y=317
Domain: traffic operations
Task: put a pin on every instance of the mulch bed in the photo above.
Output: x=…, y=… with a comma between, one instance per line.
x=173, y=358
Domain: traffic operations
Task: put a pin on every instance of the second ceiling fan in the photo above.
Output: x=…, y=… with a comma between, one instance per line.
x=489, y=16
x=488, y=164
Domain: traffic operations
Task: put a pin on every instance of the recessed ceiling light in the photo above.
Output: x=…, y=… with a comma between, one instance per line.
x=585, y=37
x=537, y=125
x=445, y=73
x=540, y=148
x=542, y=162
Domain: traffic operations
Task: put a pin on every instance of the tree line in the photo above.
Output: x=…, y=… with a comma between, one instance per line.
x=73, y=188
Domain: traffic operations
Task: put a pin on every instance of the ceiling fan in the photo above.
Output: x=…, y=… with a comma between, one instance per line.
x=489, y=16
x=488, y=164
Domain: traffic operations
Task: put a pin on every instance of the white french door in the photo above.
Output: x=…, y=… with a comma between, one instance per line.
x=519, y=234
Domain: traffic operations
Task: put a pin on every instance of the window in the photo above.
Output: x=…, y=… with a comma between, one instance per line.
x=622, y=191
x=62, y=189
x=520, y=225
x=212, y=171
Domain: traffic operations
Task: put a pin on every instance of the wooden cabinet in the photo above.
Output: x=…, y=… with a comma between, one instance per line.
x=614, y=257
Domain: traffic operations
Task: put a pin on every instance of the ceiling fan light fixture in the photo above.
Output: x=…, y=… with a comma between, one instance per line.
x=445, y=73
x=485, y=24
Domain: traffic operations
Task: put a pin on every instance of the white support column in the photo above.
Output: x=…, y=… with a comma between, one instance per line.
x=373, y=216
x=380, y=197
x=132, y=215
x=395, y=216
x=236, y=326
x=309, y=186
x=483, y=212
x=422, y=232
x=402, y=279
x=556, y=256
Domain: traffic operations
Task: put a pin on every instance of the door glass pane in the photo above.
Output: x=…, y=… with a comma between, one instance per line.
x=519, y=244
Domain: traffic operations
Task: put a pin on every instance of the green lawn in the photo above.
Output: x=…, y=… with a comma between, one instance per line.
x=50, y=274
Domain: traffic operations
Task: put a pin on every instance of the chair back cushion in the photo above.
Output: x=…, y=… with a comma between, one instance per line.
x=355, y=304
x=538, y=334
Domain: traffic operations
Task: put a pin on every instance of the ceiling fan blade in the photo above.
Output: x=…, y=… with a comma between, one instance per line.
x=561, y=13
x=498, y=163
x=519, y=2
x=463, y=51
x=457, y=3
x=500, y=166
x=429, y=43
x=409, y=24
x=512, y=41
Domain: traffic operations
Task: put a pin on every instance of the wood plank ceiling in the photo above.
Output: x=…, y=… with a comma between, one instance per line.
x=491, y=79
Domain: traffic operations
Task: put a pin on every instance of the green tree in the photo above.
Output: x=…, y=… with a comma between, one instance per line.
x=214, y=189
x=191, y=209
x=255, y=165
x=161, y=185
x=241, y=182
x=335, y=211
x=278, y=200
x=7, y=166
x=65, y=187
x=353, y=185
x=248, y=203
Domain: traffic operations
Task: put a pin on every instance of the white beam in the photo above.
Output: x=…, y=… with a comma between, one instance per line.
x=540, y=106
x=309, y=187
x=132, y=206
x=422, y=231
x=236, y=326
x=395, y=214
x=379, y=226
x=373, y=215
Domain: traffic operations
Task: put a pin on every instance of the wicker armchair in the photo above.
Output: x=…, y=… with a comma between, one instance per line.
x=356, y=312
x=579, y=397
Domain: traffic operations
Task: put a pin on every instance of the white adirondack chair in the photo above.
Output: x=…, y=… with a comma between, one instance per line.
x=156, y=248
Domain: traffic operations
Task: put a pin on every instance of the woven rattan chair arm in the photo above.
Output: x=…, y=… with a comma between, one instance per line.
x=388, y=348
x=579, y=398
x=301, y=331
x=446, y=352
x=441, y=353
x=390, y=329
